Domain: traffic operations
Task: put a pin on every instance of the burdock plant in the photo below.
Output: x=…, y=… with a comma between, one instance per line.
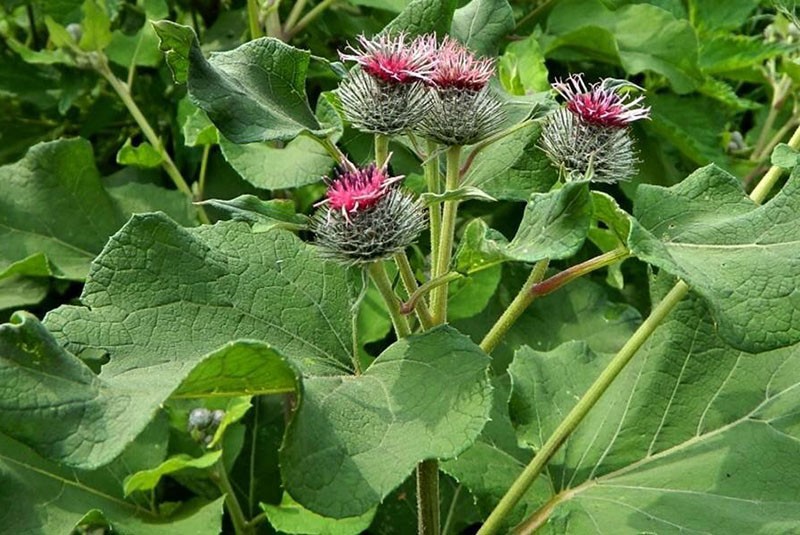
x=590, y=138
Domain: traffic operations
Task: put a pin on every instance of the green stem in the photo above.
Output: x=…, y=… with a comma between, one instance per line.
x=201, y=181
x=447, y=278
x=546, y=452
x=381, y=149
x=294, y=14
x=240, y=524
x=169, y=166
x=431, y=167
x=449, y=212
x=451, y=511
x=778, y=98
x=768, y=181
x=428, y=498
x=411, y=285
x=378, y=273
x=253, y=13
x=310, y=16
x=579, y=270
x=521, y=302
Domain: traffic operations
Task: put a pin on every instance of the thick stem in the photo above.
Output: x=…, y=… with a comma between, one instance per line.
x=273, y=20
x=240, y=524
x=381, y=149
x=428, y=498
x=520, y=303
x=433, y=181
x=584, y=405
x=442, y=265
x=411, y=285
x=378, y=273
x=169, y=166
x=253, y=14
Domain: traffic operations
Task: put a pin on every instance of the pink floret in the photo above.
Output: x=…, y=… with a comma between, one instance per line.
x=600, y=103
x=393, y=60
x=458, y=68
x=358, y=190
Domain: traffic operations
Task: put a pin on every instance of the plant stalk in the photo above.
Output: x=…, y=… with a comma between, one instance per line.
x=428, y=286
x=201, y=181
x=381, y=279
x=253, y=15
x=239, y=521
x=768, y=181
x=294, y=14
x=520, y=303
x=411, y=285
x=579, y=270
x=169, y=166
x=449, y=212
x=310, y=16
x=584, y=405
x=431, y=167
x=381, y=149
x=428, y=498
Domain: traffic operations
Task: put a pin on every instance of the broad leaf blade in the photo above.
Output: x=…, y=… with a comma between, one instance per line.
x=65, y=412
x=426, y=397
x=741, y=257
x=158, y=285
x=423, y=16
x=482, y=24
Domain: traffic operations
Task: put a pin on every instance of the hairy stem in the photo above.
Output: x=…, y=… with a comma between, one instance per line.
x=520, y=303
x=201, y=181
x=428, y=498
x=449, y=212
x=381, y=279
x=428, y=286
x=584, y=405
x=294, y=14
x=411, y=285
x=381, y=149
x=768, y=181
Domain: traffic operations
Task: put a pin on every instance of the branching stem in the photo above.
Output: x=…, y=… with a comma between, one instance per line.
x=412, y=287
x=449, y=212
x=381, y=279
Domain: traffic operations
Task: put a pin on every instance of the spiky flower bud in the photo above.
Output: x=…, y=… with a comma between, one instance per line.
x=365, y=217
x=590, y=138
x=203, y=424
x=387, y=94
x=463, y=109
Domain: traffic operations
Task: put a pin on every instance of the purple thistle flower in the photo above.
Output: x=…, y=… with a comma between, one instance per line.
x=393, y=59
x=365, y=217
x=456, y=67
x=600, y=103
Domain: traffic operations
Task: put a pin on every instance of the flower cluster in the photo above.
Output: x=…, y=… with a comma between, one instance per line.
x=441, y=91
x=365, y=217
x=590, y=138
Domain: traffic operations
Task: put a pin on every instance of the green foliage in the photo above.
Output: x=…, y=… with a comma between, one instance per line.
x=161, y=227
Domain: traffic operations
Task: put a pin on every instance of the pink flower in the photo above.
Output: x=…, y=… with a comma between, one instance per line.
x=600, y=103
x=393, y=60
x=458, y=68
x=356, y=190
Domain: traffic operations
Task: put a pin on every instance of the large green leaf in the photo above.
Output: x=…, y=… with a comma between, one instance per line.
x=157, y=285
x=482, y=24
x=743, y=258
x=513, y=167
x=38, y=496
x=426, y=397
x=638, y=37
x=74, y=215
x=55, y=214
x=554, y=224
x=291, y=517
x=255, y=92
x=692, y=437
x=423, y=16
x=65, y=412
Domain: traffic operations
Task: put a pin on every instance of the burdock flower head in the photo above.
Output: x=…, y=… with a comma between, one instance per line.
x=366, y=217
x=590, y=138
x=387, y=93
x=463, y=109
